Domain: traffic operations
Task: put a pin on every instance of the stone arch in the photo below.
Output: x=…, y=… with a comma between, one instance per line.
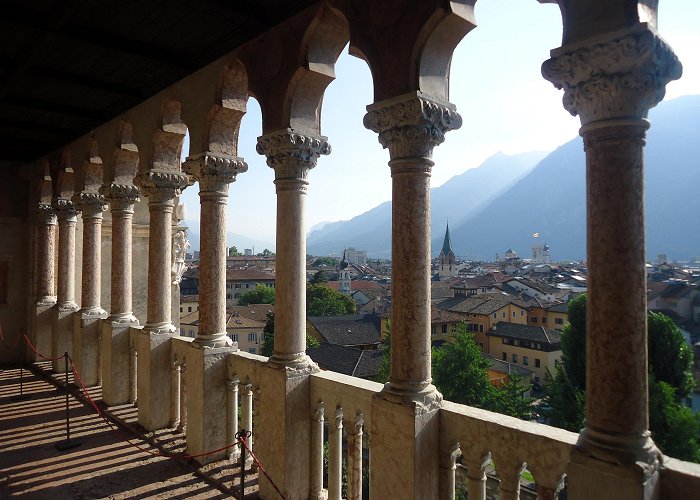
x=167, y=140
x=436, y=44
x=322, y=44
x=90, y=170
x=224, y=117
x=410, y=49
x=45, y=184
x=126, y=155
x=64, y=176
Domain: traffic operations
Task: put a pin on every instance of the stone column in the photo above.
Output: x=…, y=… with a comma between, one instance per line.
x=153, y=342
x=116, y=356
x=283, y=435
x=86, y=324
x=406, y=412
x=44, y=293
x=611, y=84
x=208, y=376
x=62, y=319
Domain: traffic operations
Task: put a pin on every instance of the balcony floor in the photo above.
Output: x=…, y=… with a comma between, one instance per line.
x=105, y=465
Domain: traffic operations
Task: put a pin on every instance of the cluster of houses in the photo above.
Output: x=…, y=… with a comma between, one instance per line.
x=515, y=308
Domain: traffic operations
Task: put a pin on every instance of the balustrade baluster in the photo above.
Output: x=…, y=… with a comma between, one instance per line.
x=248, y=418
x=316, y=457
x=232, y=425
x=355, y=458
x=175, y=396
x=335, y=457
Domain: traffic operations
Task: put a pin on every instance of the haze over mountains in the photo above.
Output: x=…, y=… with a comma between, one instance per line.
x=500, y=204
x=455, y=200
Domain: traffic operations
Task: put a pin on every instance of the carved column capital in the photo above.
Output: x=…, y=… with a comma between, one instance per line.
x=45, y=214
x=292, y=154
x=214, y=171
x=159, y=186
x=65, y=210
x=90, y=204
x=411, y=125
x=619, y=78
x=121, y=197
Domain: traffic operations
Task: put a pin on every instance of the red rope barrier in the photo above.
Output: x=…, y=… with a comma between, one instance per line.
x=29, y=343
x=2, y=338
x=260, y=466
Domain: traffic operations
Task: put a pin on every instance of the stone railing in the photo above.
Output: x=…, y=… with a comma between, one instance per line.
x=480, y=436
x=244, y=380
x=475, y=439
x=346, y=402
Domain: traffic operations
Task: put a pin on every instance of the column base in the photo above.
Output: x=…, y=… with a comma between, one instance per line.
x=62, y=334
x=86, y=344
x=41, y=328
x=589, y=477
x=283, y=428
x=153, y=378
x=116, y=361
x=214, y=342
x=405, y=437
x=207, y=394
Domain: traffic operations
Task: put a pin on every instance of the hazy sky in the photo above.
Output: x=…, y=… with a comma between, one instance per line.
x=497, y=87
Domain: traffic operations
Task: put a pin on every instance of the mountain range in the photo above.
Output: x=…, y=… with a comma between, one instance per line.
x=371, y=231
x=506, y=200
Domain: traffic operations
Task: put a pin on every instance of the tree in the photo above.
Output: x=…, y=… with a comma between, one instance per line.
x=321, y=277
x=460, y=370
x=326, y=261
x=670, y=357
x=573, y=343
x=673, y=426
x=261, y=294
x=385, y=362
x=233, y=252
x=510, y=399
x=268, y=341
x=266, y=253
x=324, y=301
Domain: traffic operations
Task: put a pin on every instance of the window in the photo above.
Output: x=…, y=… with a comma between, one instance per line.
x=504, y=356
x=559, y=321
x=183, y=332
x=494, y=315
x=533, y=319
x=235, y=337
x=251, y=350
x=228, y=295
x=537, y=379
x=514, y=314
x=526, y=360
x=537, y=362
x=432, y=330
x=237, y=296
x=504, y=314
x=180, y=308
x=238, y=285
x=515, y=358
x=189, y=309
x=522, y=313
x=252, y=337
x=247, y=285
x=544, y=320
x=481, y=328
x=191, y=333
x=444, y=328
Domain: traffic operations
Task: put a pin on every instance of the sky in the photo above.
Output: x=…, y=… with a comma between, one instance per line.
x=496, y=84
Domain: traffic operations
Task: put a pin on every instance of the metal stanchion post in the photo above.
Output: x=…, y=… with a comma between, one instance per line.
x=21, y=396
x=242, y=435
x=68, y=443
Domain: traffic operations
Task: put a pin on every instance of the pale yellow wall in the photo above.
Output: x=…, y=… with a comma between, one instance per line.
x=547, y=359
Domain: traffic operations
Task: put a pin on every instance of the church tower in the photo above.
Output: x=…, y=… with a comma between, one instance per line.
x=344, y=276
x=448, y=262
